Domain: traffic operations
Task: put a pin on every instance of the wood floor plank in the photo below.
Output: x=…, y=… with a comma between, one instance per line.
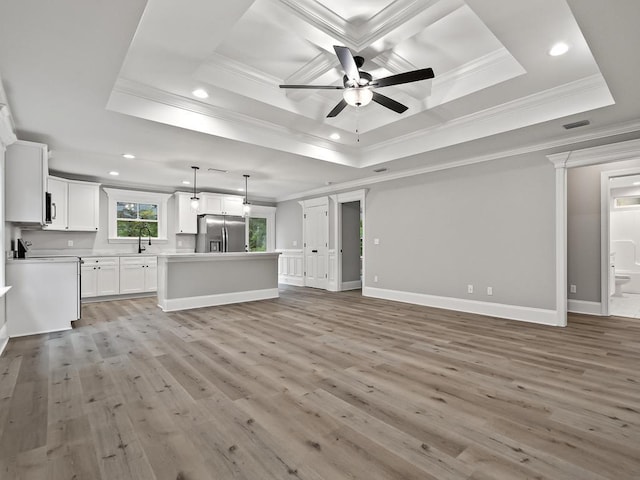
x=320, y=386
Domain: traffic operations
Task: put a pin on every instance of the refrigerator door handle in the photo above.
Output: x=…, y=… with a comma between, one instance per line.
x=224, y=239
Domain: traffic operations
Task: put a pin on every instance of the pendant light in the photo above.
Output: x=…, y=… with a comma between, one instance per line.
x=195, y=201
x=246, y=206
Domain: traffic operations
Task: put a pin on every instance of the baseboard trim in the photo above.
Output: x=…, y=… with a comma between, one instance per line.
x=175, y=304
x=353, y=285
x=585, y=307
x=288, y=280
x=124, y=296
x=4, y=338
x=511, y=312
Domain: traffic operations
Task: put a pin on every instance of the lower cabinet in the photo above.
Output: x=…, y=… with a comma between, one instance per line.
x=138, y=274
x=100, y=276
x=103, y=276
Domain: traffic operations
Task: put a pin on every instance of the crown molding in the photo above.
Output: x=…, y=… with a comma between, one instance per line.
x=608, y=153
x=7, y=135
x=615, y=152
x=575, y=97
x=226, y=123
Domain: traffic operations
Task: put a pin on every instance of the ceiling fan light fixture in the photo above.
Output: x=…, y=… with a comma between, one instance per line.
x=358, y=96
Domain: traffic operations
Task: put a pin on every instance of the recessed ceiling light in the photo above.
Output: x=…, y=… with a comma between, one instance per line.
x=114, y=173
x=334, y=136
x=240, y=189
x=128, y=155
x=636, y=183
x=186, y=182
x=558, y=49
x=200, y=93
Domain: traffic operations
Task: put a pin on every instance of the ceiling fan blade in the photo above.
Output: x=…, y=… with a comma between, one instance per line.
x=337, y=109
x=389, y=103
x=348, y=63
x=316, y=87
x=407, y=77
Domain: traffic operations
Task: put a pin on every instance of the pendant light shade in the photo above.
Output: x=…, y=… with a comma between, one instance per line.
x=246, y=206
x=357, y=97
x=195, y=201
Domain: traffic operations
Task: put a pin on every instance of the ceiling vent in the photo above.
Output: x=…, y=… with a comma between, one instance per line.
x=581, y=123
x=217, y=170
x=380, y=170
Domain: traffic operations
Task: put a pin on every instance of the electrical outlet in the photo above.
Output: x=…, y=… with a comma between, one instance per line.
x=469, y=288
x=69, y=243
x=572, y=289
x=179, y=243
x=489, y=290
x=375, y=279
x=376, y=241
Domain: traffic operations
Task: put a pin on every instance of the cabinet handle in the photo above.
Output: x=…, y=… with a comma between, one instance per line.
x=55, y=211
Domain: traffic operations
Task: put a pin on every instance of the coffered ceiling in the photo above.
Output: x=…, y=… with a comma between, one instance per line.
x=95, y=81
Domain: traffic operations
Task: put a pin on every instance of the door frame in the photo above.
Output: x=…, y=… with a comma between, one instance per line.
x=338, y=199
x=605, y=232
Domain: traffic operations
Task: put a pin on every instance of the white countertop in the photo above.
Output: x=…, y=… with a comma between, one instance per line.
x=188, y=257
x=61, y=259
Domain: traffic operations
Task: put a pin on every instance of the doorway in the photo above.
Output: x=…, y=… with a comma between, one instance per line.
x=350, y=246
x=620, y=201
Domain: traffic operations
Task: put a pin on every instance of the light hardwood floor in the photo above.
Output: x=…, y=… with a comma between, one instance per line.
x=317, y=385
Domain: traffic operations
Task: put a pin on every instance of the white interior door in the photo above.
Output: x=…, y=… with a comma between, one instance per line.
x=315, y=248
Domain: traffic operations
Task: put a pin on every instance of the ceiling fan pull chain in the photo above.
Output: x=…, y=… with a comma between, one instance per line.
x=357, y=124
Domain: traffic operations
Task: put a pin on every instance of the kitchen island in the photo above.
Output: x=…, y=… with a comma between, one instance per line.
x=193, y=280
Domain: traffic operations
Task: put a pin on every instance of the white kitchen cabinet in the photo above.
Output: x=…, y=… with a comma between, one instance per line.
x=138, y=274
x=219, y=204
x=100, y=276
x=26, y=169
x=186, y=217
x=74, y=204
x=59, y=191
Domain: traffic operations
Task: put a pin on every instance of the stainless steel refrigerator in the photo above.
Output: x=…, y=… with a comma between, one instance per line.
x=220, y=233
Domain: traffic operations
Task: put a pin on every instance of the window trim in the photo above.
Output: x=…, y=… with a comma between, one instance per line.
x=262, y=211
x=134, y=196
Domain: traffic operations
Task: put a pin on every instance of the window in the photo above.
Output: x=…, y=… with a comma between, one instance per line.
x=260, y=231
x=131, y=213
x=135, y=218
x=257, y=234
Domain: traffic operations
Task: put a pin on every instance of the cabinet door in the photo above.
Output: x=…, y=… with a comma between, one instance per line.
x=151, y=277
x=26, y=169
x=132, y=274
x=83, y=206
x=233, y=205
x=58, y=190
x=108, y=280
x=211, y=203
x=88, y=281
x=187, y=218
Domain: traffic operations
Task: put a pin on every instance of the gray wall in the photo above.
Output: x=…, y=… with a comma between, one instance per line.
x=350, y=241
x=98, y=241
x=583, y=228
x=490, y=224
x=289, y=225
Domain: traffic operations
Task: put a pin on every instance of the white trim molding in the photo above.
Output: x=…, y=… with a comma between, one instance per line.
x=175, y=304
x=4, y=338
x=511, y=312
x=117, y=195
x=615, y=152
x=290, y=267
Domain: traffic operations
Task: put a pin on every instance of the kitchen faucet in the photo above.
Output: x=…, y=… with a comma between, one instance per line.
x=141, y=230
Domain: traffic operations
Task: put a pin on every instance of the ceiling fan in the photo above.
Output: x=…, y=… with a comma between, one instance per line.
x=358, y=85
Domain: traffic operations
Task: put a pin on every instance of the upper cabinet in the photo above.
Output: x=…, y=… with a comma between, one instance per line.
x=219, y=204
x=26, y=169
x=187, y=217
x=74, y=205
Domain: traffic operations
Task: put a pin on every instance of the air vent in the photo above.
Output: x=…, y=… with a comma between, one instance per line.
x=380, y=170
x=581, y=123
x=217, y=170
